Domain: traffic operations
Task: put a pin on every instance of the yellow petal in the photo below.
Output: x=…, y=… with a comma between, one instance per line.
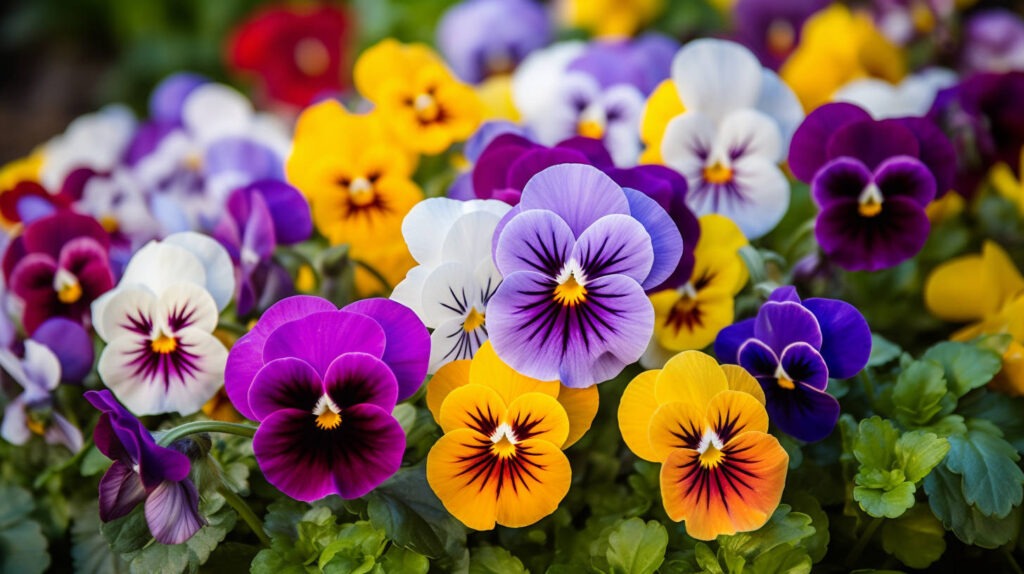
x=466, y=493
x=1002, y=178
x=535, y=485
x=675, y=425
x=662, y=105
x=690, y=377
x=719, y=232
x=731, y=413
x=390, y=259
x=496, y=98
x=488, y=369
x=740, y=380
x=636, y=409
x=1010, y=379
x=957, y=290
x=581, y=406
x=1001, y=272
x=389, y=60
x=448, y=378
x=474, y=407
x=682, y=324
x=538, y=416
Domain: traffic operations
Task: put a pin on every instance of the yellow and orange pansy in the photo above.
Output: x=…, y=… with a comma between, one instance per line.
x=721, y=472
x=500, y=460
x=987, y=291
x=424, y=106
x=691, y=316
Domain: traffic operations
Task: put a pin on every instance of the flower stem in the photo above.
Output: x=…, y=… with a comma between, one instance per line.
x=205, y=426
x=862, y=542
x=53, y=470
x=243, y=510
x=1013, y=561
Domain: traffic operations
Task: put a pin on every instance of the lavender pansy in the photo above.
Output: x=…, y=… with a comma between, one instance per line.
x=575, y=256
x=792, y=347
x=143, y=472
x=483, y=38
x=34, y=410
x=993, y=41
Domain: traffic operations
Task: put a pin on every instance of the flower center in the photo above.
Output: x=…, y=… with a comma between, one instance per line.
x=474, y=320
x=504, y=441
x=328, y=414
x=249, y=257
x=312, y=57
x=710, y=449
x=109, y=223
x=781, y=37
x=687, y=299
x=870, y=201
x=163, y=344
x=68, y=289
x=500, y=62
x=783, y=379
x=570, y=290
x=592, y=129
x=361, y=192
x=718, y=174
x=192, y=161
x=427, y=109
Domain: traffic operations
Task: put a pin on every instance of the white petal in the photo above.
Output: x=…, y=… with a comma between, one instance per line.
x=220, y=272
x=716, y=77
x=778, y=101
x=191, y=303
x=450, y=342
x=748, y=133
x=272, y=132
x=41, y=366
x=214, y=110
x=62, y=432
x=124, y=307
x=878, y=97
x=427, y=223
x=165, y=159
x=449, y=292
x=538, y=75
x=469, y=238
x=96, y=141
x=14, y=427
x=764, y=197
x=558, y=119
x=622, y=135
x=487, y=278
x=160, y=264
x=688, y=139
x=409, y=291
x=188, y=398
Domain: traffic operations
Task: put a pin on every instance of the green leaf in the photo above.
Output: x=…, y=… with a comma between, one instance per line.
x=918, y=452
x=637, y=548
x=992, y=481
x=967, y=366
x=94, y=462
x=920, y=394
x=189, y=555
x=1005, y=412
x=875, y=444
x=354, y=549
x=882, y=351
x=398, y=560
x=781, y=560
x=885, y=503
x=707, y=560
x=90, y=550
x=784, y=527
x=494, y=560
x=917, y=538
x=806, y=503
x=946, y=498
x=281, y=558
x=22, y=544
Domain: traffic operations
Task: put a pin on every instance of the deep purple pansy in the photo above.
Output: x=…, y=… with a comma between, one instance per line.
x=143, y=472
x=771, y=29
x=872, y=181
x=792, y=347
x=576, y=255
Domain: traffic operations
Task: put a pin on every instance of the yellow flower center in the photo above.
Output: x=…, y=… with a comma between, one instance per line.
x=590, y=129
x=473, y=320
x=570, y=292
x=70, y=293
x=163, y=344
x=781, y=37
x=718, y=174
x=426, y=107
x=193, y=161
x=35, y=425
x=504, y=441
x=312, y=57
x=361, y=192
x=710, y=450
x=870, y=201
x=109, y=223
x=328, y=414
x=786, y=383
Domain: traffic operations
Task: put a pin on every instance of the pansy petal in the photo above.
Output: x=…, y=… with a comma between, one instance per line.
x=691, y=377
x=675, y=425
x=581, y=194
x=14, y=426
x=243, y=363
x=287, y=383
x=120, y=491
x=755, y=200
x=450, y=292
x=220, y=277
x=780, y=323
x=533, y=161
x=758, y=359
x=742, y=381
x=684, y=324
x=731, y=338
x=872, y=142
x=803, y=412
x=1001, y=272
x=286, y=310
x=537, y=241
x=949, y=297
x=936, y=151
x=70, y=343
x=841, y=178
x=450, y=341
x=581, y=406
x=172, y=512
x=535, y=485
x=906, y=177
x=316, y=338
x=187, y=305
x=749, y=133
x=538, y=416
x=666, y=239
x=61, y=432
x=896, y=234
x=469, y=237
x=451, y=478
x=845, y=336
x=358, y=378
x=409, y=291
x=732, y=413
x=472, y=406
x=448, y=378
x=807, y=151
x=488, y=369
x=778, y=101
x=716, y=76
x=688, y=140
x=636, y=409
x=615, y=245
x=803, y=364
x=407, y=345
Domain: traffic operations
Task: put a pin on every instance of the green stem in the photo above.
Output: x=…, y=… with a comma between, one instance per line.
x=372, y=271
x=74, y=460
x=243, y=510
x=205, y=426
x=862, y=542
x=233, y=328
x=1013, y=561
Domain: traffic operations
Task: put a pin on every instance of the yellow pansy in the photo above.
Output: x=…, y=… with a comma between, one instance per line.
x=421, y=102
x=691, y=316
x=836, y=47
x=662, y=105
x=1008, y=185
x=986, y=290
x=609, y=18
x=19, y=170
x=496, y=97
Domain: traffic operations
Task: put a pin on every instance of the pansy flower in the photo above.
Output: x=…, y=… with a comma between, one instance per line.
x=323, y=383
x=455, y=279
x=772, y=29
x=721, y=472
x=96, y=141
x=298, y=52
x=903, y=21
x=161, y=355
x=734, y=132
x=576, y=255
x=987, y=291
x=500, y=460
x=690, y=315
x=912, y=97
x=462, y=187
x=609, y=18
x=259, y=217
x=993, y=41
x=58, y=267
x=872, y=180
x=422, y=104
x=143, y=472
x=792, y=347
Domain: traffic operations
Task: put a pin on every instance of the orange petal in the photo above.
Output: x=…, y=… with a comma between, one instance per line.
x=740, y=380
x=458, y=473
x=448, y=378
x=636, y=409
x=581, y=406
x=488, y=369
x=538, y=416
x=535, y=481
x=731, y=413
x=675, y=426
x=690, y=377
x=474, y=407
x=738, y=494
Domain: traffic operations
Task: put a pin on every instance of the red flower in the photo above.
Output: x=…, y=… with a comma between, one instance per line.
x=299, y=52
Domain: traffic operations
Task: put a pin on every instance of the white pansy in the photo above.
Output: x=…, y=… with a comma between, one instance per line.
x=913, y=97
x=96, y=141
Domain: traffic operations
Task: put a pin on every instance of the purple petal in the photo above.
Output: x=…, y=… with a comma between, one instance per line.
x=731, y=338
x=462, y=188
x=858, y=243
x=407, y=347
x=579, y=194
x=319, y=338
x=758, y=359
x=784, y=293
x=33, y=207
x=486, y=134
x=258, y=237
x=50, y=234
x=120, y=491
x=147, y=138
x=538, y=241
x=803, y=412
x=804, y=364
x=841, y=178
x=287, y=383
x=536, y=160
x=936, y=152
x=32, y=282
x=906, y=177
x=780, y=324
x=664, y=233
x=846, y=337
x=358, y=378
x=238, y=154
x=807, y=151
x=490, y=174
x=872, y=142
x=615, y=245
x=61, y=432
x=292, y=220
x=592, y=151
x=88, y=261
x=172, y=512
x=166, y=101
x=287, y=310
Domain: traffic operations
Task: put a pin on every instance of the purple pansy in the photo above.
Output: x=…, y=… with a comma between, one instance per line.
x=576, y=255
x=259, y=217
x=483, y=38
x=792, y=347
x=993, y=41
x=323, y=383
x=872, y=181
x=642, y=62
x=143, y=471
x=58, y=267
x=771, y=29
x=462, y=187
